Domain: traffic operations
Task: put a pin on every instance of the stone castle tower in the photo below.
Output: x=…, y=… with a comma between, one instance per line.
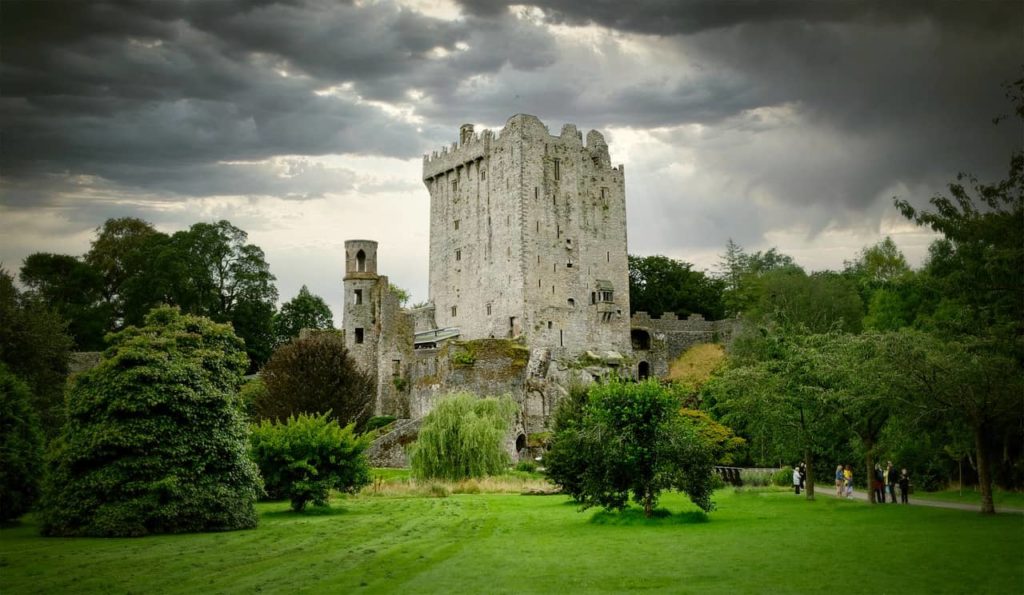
x=528, y=238
x=377, y=332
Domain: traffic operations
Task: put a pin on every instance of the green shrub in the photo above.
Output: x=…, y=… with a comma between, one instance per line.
x=783, y=477
x=527, y=466
x=153, y=441
x=305, y=457
x=463, y=437
x=21, y=447
x=755, y=478
x=379, y=421
x=252, y=391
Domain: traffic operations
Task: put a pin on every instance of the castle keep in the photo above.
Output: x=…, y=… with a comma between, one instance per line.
x=528, y=238
x=529, y=284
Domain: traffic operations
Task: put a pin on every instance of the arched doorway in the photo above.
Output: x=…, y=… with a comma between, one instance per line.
x=520, y=443
x=361, y=262
x=643, y=371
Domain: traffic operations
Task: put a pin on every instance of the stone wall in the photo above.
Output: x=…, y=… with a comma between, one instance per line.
x=668, y=337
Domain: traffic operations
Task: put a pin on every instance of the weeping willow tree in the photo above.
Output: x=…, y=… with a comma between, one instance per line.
x=462, y=438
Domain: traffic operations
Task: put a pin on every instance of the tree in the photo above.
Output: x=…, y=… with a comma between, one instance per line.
x=305, y=310
x=462, y=437
x=658, y=284
x=815, y=303
x=316, y=375
x=119, y=254
x=631, y=441
x=153, y=441
x=399, y=293
x=305, y=457
x=74, y=290
x=969, y=383
x=776, y=392
x=21, y=448
x=742, y=274
x=35, y=347
x=226, y=279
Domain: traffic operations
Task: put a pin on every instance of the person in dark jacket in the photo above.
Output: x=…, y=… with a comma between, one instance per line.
x=904, y=482
x=890, y=482
x=877, y=485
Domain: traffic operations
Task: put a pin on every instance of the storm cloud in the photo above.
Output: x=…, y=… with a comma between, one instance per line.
x=772, y=122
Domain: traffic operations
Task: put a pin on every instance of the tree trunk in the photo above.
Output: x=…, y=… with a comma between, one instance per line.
x=984, y=473
x=869, y=448
x=809, y=481
x=648, y=505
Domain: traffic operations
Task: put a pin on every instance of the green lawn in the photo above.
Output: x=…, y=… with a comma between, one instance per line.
x=972, y=496
x=506, y=543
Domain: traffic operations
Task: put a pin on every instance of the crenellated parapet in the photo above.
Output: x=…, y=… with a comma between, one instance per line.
x=669, y=322
x=471, y=147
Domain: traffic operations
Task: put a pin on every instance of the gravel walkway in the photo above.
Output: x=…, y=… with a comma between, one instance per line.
x=863, y=497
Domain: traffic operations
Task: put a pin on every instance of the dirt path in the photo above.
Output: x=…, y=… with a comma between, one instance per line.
x=863, y=497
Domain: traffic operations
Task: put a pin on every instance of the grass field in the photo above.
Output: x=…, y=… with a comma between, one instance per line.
x=970, y=495
x=757, y=541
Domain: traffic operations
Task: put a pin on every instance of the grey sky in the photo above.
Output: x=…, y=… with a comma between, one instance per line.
x=772, y=122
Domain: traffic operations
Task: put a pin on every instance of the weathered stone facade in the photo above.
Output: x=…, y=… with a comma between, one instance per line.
x=528, y=238
x=529, y=285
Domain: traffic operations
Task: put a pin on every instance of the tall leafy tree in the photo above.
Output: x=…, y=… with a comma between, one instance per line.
x=816, y=303
x=743, y=273
x=74, y=290
x=969, y=383
x=305, y=310
x=659, y=284
x=21, y=447
x=35, y=347
x=120, y=255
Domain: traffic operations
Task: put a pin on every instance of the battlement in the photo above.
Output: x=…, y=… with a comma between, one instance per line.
x=470, y=147
x=670, y=322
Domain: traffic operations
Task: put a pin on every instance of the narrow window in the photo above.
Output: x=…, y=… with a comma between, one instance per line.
x=360, y=262
x=359, y=335
x=488, y=309
x=568, y=265
x=549, y=325
x=359, y=296
x=558, y=231
x=554, y=268
x=608, y=256
x=561, y=341
x=604, y=193
x=396, y=367
x=552, y=290
x=456, y=225
x=458, y=254
x=593, y=297
x=483, y=175
x=454, y=311
x=455, y=186
x=571, y=302
x=536, y=193
x=538, y=226
x=558, y=169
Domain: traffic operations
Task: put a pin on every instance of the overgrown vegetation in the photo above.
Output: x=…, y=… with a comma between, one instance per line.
x=304, y=457
x=21, y=448
x=463, y=437
x=153, y=441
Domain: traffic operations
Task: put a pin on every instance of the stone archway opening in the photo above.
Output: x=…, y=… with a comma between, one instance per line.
x=361, y=262
x=643, y=371
x=520, y=442
x=641, y=339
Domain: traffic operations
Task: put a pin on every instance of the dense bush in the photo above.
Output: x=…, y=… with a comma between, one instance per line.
x=463, y=437
x=379, y=421
x=305, y=457
x=21, y=448
x=783, y=477
x=630, y=440
x=153, y=441
x=251, y=392
x=316, y=375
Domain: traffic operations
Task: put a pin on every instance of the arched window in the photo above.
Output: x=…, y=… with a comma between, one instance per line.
x=361, y=262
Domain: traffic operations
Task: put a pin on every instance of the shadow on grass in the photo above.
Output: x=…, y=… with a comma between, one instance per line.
x=310, y=511
x=661, y=517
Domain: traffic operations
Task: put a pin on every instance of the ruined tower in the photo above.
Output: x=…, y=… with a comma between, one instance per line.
x=528, y=238
x=378, y=334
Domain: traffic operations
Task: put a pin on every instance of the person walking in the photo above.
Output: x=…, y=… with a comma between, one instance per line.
x=796, y=479
x=848, y=481
x=840, y=481
x=876, y=485
x=904, y=482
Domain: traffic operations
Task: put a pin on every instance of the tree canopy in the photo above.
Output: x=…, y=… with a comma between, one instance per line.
x=304, y=311
x=659, y=284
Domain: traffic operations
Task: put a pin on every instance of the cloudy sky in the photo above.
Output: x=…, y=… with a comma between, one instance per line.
x=776, y=123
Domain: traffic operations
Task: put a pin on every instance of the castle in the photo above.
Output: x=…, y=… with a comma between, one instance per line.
x=528, y=287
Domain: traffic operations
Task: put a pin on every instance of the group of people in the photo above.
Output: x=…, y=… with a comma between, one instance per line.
x=884, y=482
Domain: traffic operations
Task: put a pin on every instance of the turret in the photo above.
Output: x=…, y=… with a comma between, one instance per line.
x=361, y=301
